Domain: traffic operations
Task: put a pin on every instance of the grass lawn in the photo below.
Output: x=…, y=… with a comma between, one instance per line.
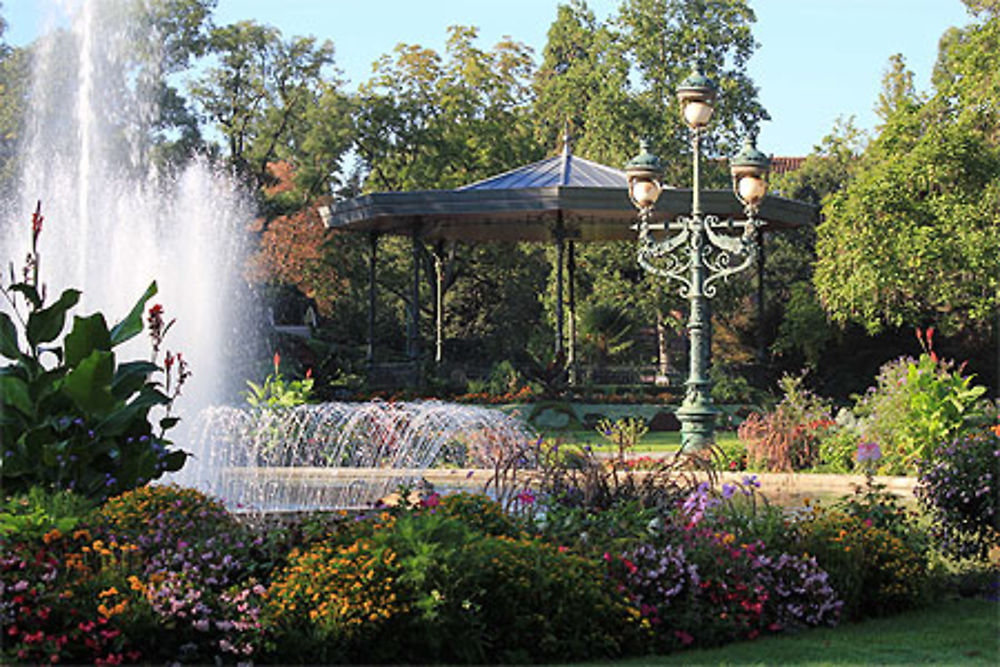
x=956, y=631
x=651, y=443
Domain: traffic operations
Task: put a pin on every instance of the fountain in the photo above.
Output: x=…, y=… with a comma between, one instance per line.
x=114, y=223
x=346, y=455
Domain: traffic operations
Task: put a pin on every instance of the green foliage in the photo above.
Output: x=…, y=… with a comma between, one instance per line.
x=624, y=433
x=82, y=420
x=425, y=122
x=910, y=240
x=838, y=447
x=29, y=516
x=479, y=513
x=874, y=571
x=805, y=327
x=915, y=405
x=135, y=514
x=606, y=331
x=276, y=392
x=665, y=39
x=427, y=587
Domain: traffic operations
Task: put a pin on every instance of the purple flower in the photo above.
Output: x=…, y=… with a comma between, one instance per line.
x=868, y=451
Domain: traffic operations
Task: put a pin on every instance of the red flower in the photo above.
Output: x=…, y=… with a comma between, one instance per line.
x=36, y=222
x=684, y=637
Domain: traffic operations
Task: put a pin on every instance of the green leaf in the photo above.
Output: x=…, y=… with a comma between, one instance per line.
x=130, y=378
x=88, y=334
x=89, y=384
x=132, y=324
x=8, y=337
x=46, y=324
x=174, y=461
x=169, y=422
x=30, y=293
x=14, y=392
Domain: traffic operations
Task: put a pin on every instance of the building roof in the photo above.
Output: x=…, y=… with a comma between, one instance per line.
x=783, y=165
x=564, y=169
x=564, y=195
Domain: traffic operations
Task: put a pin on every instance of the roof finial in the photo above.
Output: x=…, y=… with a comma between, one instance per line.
x=567, y=150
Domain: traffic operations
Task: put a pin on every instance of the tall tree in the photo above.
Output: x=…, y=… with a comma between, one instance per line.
x=583, y=83
x=263, y=96
x=427, y=121
x=915, y=237
x=666, y=40
x=897, y=88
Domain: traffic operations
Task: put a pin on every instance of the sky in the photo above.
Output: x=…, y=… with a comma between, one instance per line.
x=817, y=60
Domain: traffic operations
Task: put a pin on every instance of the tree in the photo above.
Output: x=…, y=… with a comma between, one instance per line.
x=915, y=237
x=666, y=40
x=265, y=97
x=897, y=88
x=13, y=93
x=430, y=122
x=424, y=122
x=583, y=83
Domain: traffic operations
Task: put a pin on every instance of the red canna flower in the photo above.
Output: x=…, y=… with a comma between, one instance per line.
x=277, y=361
x=36, y=222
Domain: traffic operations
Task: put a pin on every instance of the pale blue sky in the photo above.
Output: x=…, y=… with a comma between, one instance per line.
x=817, y=59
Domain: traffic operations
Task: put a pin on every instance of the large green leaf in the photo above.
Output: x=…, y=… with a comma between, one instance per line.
x=89, y=384
x=14, y=393
x=8, y=337
x=46, y=324
x=30, y=294
x=88, y=334
x=130, y=377
x=132, y=324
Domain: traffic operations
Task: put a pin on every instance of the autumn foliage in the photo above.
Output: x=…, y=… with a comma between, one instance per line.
x=292, y=250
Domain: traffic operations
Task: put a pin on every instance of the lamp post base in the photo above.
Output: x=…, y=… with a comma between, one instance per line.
x=697, y=426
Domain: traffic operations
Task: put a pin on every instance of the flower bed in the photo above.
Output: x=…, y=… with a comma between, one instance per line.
x=163, y=574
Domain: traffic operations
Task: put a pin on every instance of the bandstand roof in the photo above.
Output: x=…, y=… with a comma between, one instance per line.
x=586, y=200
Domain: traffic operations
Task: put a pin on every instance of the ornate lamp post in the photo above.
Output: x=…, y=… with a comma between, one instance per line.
x=698, y=249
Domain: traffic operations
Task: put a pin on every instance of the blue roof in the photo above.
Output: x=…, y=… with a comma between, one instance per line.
x=561, y=170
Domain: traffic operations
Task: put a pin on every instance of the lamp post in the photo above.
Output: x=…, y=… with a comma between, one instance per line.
x=698, y=249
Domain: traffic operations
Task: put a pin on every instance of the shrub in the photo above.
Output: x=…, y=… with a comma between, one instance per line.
x=197, y=577
x=707, y=588
x=874, y=571
x=425, y=587
x=75, y=418
x=329, y=598
x=788, y=437
x=916, y=404
x=957, y=486
x=477, y=512
x=165, y=512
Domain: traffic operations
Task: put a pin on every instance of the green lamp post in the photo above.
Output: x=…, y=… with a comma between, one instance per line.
x=698, y=249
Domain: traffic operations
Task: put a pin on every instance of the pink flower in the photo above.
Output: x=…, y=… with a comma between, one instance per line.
x=685, y=638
